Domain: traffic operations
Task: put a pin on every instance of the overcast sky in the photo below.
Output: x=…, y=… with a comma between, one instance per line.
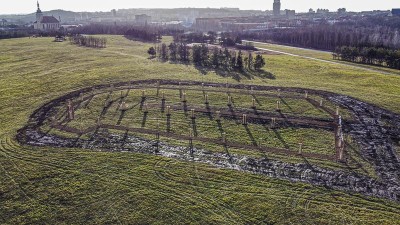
x=29, y=6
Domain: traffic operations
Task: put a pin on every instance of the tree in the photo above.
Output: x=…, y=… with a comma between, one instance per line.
x=215, y=61
x=250, y=62
x=152, y=52
x=173, y=51
x=239, y=61
x=164, y=52
x=259, y=62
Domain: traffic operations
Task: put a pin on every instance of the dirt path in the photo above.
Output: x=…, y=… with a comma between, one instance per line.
x=321, y=60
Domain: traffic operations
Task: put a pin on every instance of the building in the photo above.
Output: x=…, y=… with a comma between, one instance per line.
x=277, y=7
x=142, y=19
x=342, y=11
x=396, y=12
x=290, y=14
x=45, y=23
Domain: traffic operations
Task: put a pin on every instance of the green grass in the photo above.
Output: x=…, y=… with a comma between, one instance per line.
x=76, y=186
x=324, y=55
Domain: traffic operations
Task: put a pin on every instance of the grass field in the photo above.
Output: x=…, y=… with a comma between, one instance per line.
x=323, y=55
x=75, y=186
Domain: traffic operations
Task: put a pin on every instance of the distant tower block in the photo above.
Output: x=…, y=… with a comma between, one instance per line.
x=277, y=7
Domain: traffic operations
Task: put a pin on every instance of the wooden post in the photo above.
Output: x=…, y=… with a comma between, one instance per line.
x=168, y=110
x=206, y=97
x=279, y=92
x=163, y=95
x=224, y=138
x=123, y=106
x=306, y=94
x=300, y=148
x=143, y=93
x=321, y=103
x=252, y=90
x=146, y=109
x=158, y=88
x=218, y=115
x=244, y=119
x=337, y=111
x=184, y=97
x=70, y=108
x=273, y=122
x=254, y=103
x=229, y=100
x=278, y=105
x=193, y=114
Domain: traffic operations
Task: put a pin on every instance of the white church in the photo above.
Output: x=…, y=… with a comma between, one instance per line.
x=45, y=23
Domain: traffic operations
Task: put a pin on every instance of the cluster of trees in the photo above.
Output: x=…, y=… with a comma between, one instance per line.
x=200, y=55
x=117, y=29
x=329, y=37
x=226, y=39
x=7, y=34
x=150, y=35
x=88, y=41
x=369, y=55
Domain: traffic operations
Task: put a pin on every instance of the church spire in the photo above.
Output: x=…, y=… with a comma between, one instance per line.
x=38, y=7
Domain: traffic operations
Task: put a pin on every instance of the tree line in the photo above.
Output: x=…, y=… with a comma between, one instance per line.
x=329, y=37
x=369, y=55
x=146, y=33
x=88, y=41
x=200, y=55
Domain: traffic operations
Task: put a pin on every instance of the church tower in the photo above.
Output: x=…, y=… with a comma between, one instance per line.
x=39, y=14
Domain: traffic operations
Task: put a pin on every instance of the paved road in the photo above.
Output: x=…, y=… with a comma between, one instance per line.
x=321, y=60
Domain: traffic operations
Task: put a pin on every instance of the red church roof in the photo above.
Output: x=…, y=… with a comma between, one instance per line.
x=49, y=19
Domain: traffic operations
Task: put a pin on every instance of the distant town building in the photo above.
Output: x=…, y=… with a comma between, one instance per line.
x=45, y=23
x=322, y=11
x=396, y=12
x=114, y=12
x=342, y=11
x=277, y=7
x=290, y=14
x=311, y=11
x=142, y=19
x=3, y=22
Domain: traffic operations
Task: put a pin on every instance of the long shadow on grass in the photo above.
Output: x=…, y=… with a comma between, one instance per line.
x=278, y=135
x=253, y=141
x=144, y=119
x=121, y=117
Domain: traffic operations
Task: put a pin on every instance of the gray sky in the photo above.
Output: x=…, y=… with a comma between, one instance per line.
x=29, y=6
